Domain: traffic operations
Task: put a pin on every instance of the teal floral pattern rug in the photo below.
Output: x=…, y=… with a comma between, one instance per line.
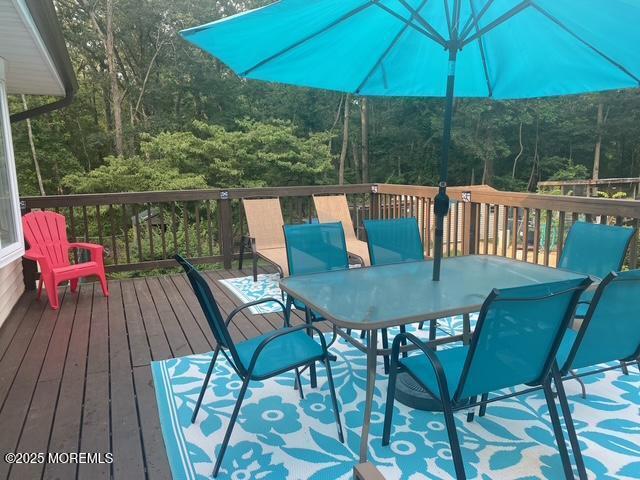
x=278, y=436
x=246, y=290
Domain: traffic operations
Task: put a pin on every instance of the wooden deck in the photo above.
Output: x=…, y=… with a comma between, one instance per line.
x=78, y=379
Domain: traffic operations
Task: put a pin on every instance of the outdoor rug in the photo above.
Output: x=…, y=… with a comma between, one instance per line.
x=278, y=436
x=245, y=289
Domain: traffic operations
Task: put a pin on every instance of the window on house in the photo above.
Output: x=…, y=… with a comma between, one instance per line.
x=10, y=238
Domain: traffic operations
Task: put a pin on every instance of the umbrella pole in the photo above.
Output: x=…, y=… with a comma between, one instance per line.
x=441, y=203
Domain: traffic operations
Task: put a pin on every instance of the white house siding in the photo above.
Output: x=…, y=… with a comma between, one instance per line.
x=11, y=287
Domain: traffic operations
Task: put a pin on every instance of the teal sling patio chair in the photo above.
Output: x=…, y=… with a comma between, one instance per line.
x=259, y=358
x=314, y=248
x=594, y=249
x=395, y=241
x=610, y=332
x=518, y=333
x=590, y=249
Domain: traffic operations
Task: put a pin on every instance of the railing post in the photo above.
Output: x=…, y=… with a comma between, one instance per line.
x=373, y=202
x=226, y=229
x=29, y=267
x=469, y=234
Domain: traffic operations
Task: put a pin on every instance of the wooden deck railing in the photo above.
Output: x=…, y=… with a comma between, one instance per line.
x=143, y=230
x=528, y=227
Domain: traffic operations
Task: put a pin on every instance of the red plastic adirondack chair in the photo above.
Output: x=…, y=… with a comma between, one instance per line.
x=46, y=233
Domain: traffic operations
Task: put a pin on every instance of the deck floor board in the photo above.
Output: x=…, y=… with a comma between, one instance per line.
x=79, y=379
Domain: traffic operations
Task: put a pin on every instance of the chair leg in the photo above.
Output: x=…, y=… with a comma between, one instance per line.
x=385, y=345
x=334, y=400
x=232, y=422
x=298, y=384
x=483, y=407
x=471, y=412
x=52, y=292
x=103, y=284
x=557, y=430
x=403, y=329
x=624, y=368
x=466, y=329
x=313, y=379
x=583, y=387
x=73, y=285
x=334, y=337
x=571, y=429
x=241, y=259
x=255, y=268
x=204, y=385
x=456, y=452
x=287, y=307
x=391, y=390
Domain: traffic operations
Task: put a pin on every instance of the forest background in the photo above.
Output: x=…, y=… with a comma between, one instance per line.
x=155, y=113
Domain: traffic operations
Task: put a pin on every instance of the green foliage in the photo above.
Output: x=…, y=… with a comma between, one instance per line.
x=619, y=195
x=130, y=175
x=564, y=169
x=255, y=154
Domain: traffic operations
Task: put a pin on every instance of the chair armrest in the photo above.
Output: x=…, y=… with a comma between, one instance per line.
x=97, y=251
x=237, y=310
x=86, y=246
x=36, y=257
x=431, y=356
x=281, y=333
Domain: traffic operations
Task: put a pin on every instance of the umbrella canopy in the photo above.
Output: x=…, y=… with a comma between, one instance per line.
x=501, y=49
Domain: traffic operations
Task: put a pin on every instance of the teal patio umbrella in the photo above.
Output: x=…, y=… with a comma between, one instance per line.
x=501, y=49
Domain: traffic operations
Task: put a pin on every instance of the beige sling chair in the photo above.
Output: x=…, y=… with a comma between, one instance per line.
x=265, y=238
x=334, y=208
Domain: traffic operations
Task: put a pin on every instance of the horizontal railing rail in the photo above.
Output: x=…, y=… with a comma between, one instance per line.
x=143, y=230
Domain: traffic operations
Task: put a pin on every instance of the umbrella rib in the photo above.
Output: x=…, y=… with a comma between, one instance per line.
x=412, y=25
x=482, y=55
x=587, y=44
x=425, y=24
x=469, y=25
x=448, y=16
x=344, y=17
x=498, y=21
x=388, y=49
x=456, y=15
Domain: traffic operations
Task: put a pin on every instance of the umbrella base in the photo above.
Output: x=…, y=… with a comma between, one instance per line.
x=410, y=393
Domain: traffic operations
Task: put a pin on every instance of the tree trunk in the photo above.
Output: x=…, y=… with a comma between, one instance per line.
x=532, y=183
x=36, y=164
x=356, y=161
x=335, y=122
x=515, y=160
x=364, y=122
x=596, y=153
x=345, y=139
x=116, y=97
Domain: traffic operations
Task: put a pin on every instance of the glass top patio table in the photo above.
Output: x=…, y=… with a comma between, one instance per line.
x=379, y=297
x=390, y=295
